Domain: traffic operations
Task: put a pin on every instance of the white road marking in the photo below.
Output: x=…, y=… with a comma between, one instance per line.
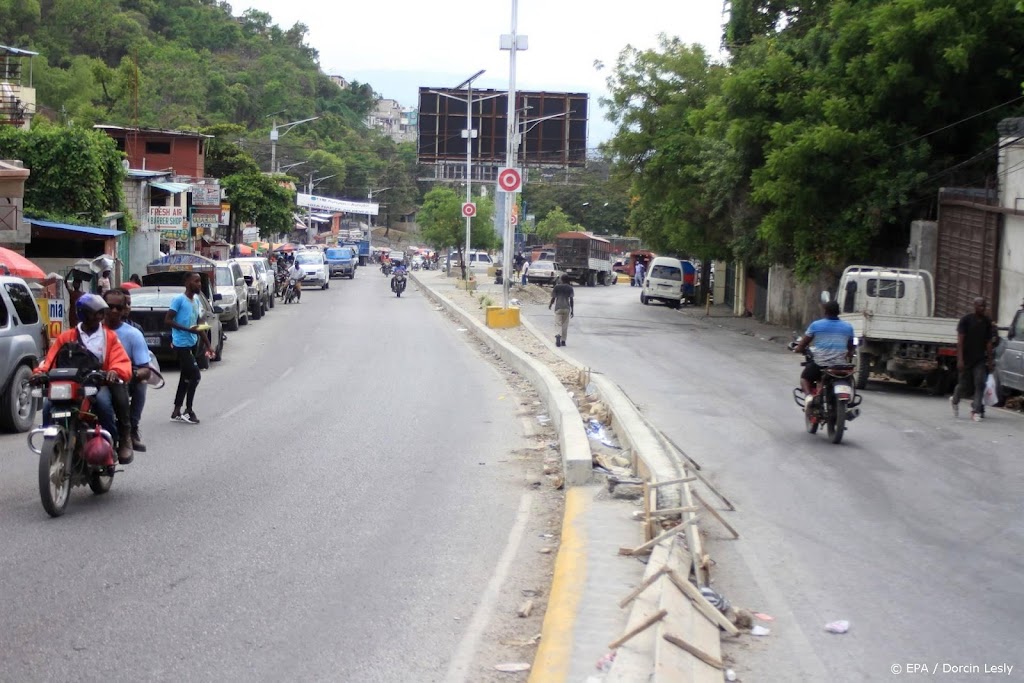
x=464, y=653
x=287, y=372
x=239, y=408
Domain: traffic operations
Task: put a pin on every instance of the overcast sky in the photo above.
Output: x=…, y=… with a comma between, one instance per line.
x=399, y=45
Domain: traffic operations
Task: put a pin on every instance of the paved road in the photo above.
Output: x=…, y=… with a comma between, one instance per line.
x=336, y=515
x=912, y=529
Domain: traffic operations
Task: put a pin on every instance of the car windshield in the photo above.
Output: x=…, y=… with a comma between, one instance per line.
x=224, y=278
x=153, y=298
x=309, y=258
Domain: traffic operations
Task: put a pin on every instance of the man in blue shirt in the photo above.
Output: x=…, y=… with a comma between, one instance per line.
x=135, y=346
x=183, y=318
x=831, y=341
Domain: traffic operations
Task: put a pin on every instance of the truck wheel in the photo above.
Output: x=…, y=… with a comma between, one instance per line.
x=863, y=371
x=232, y=324
x=16, y=405
x=592, y=280
x=914, y=381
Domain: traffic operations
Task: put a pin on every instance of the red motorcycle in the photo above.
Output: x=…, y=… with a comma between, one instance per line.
x=834, y=402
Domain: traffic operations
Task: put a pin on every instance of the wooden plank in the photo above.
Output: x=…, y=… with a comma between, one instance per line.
x=669, y=482
x=675, y=511
x=678, y=528
x=642, y=626
x=701, y=603
x=714, y=513
x=693, y=650
x=644, y=585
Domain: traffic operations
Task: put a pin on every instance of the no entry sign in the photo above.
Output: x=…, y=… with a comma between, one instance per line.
x=509, y=180
x=468, y=209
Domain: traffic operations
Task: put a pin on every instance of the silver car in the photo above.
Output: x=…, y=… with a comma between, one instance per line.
x=1010, y=357
x=21, y=338
x=544, y=273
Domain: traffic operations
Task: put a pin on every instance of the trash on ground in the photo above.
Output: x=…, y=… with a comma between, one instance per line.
x=525, y=609
x=597, y=432
x=543, y=419
x=514, y=302
x=463, y=329
x=605, y=663
x=741, y=618
x=512, y=667
x=730, y=675
x=841, y=626
x=715, y=598
x=759, y=630
x=764, y=617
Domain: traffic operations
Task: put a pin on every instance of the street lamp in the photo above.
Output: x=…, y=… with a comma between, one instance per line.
x=274, y=135
x=310, y=186
x=369, y=219
x=285, y=168
x=469, y=133
x=513, y=42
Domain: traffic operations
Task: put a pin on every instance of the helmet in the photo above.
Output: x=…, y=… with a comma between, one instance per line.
x=89, y=303
x=98, y=451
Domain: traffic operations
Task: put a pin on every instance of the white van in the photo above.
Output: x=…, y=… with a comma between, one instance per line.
x=663, y=282
x=478, y=260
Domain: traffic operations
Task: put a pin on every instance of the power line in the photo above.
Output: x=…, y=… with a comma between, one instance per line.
x=963, y=120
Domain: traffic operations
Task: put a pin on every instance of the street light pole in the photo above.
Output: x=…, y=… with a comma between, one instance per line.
x=274, y=135
x=369, y=220
x=511, y=42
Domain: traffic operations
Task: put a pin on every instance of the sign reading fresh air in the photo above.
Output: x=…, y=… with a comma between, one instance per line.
x=468, y=209
x=509, y=180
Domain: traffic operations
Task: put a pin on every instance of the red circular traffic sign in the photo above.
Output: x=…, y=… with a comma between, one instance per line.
x=509, y=179
x=514, y=219
x=468, y=209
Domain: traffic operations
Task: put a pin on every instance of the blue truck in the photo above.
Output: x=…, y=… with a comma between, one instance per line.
x=342, y=261
x=362, y=248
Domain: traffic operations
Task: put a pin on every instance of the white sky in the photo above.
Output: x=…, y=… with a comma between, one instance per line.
x=399, y=45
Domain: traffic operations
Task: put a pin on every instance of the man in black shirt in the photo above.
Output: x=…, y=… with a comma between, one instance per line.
x=973, y=359
x=562, y=300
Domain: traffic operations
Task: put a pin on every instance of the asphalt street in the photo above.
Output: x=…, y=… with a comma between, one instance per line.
x=336, y=516
x=911, y=529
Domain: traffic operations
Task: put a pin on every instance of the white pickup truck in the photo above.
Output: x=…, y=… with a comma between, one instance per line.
x=896, y=332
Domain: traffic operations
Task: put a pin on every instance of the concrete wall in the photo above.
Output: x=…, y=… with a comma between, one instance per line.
x=1011, y=194
x=145, y=248
x=923, y=252
x=795, y=304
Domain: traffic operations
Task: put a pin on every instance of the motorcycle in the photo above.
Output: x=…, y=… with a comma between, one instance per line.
x=398, y=284
x=75, y=450
x=291, y=293
x=835, y=400
x=385, y=268
x=280, y=283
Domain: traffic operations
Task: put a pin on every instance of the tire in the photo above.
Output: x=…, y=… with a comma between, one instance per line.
x=17, y=409
x=258, y=313
x=219, y=352
x=55, y=464
x=270, y=300
x=326, y=285
x=837, y=422
x=810, y=426
x=232, y=324
x=863, y=370
x=674, y=304
x=245, y=320
x=592, y=280
x=915, y=381
x=644, y=300
x=101, y=483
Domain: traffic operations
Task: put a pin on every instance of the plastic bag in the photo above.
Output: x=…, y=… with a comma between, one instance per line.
x=991, y=396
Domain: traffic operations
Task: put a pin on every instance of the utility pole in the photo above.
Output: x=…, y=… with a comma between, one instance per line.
x=513, y=42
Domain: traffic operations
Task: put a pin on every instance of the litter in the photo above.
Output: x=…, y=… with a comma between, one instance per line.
x=730, y=675
x=596, y=431
x=841, y=626
x=605, y=663
x=463, y=329
x=759, y=630
x=715, y=598
x=514, y=302
x=991, y=396
x=764, y=617
x=512, y=667
x=543, y=419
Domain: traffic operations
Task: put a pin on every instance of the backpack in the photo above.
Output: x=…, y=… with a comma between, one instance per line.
x=74, y=355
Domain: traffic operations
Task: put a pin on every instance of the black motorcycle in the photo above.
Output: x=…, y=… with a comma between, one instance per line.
x=835, y=400
x=291, y=292
x=398, y=284
x=75, y=450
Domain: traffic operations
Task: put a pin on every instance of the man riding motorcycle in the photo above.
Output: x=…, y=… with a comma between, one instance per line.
x=111, y=404
x=296, y=273
x=399, y=270
x=831, y=341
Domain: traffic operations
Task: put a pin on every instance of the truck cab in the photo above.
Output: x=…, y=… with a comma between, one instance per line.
x=886, y=291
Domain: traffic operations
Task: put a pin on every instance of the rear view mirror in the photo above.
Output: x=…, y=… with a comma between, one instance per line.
x=240, y=282
x=218, y=296
x=825, y=297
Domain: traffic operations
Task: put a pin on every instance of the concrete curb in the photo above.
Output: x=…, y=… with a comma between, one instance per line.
x=577, y=461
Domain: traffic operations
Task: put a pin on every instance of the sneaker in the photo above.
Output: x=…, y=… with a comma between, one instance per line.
x=563, y=342
x=975, y=417
x=955, y=406
x=191, y=418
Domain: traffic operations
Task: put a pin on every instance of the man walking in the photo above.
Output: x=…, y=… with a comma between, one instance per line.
x=182, y=318
x=562, y=300
x=639, y=274
x=973, y=359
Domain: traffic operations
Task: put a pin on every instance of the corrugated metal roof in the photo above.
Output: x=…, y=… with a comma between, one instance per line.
x=160, y=131
x=83, y=229
x=173, y=188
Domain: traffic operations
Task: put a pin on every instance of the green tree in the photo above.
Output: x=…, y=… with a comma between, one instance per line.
x=554, y=223
x=443, y=227
x=260, y=199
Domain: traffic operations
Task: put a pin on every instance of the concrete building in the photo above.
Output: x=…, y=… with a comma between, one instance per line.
x=14, y=231
x=401, y=125
x=152, y=149
x=17, y=94
x=339, y=81
x=1011, y=197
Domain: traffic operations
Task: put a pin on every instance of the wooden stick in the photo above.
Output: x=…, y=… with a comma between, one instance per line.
x=714, y=513
x=644, y=585
x=645, y=624
x=693, y=650
x=674, y=511
x=669, y=482
x=701, y=603
x=657, y=539
x=648, y=527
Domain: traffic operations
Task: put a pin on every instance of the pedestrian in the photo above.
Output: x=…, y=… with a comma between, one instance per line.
x=526, y=270
x=562, y=300
x=973, y=359
x=638, y=278
x=74, y=294
x=183, y=317
x=518, y=264
x=104, y=282
x=135, y=346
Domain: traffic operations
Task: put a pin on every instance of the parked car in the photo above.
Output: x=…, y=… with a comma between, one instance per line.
x=256, y=288
x=544, y=273
x=314, y=268
x=149, y=310
x=230, y=284
x=1010, y=358
x=478, y=260
x=266, y=273
x=21, y=347
x=342, y=261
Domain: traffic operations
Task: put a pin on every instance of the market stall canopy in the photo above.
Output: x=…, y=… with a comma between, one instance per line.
x=16, y=264
x=70, y=231
x=173, y=188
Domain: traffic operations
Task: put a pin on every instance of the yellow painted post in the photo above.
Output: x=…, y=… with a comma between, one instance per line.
x=501, y=318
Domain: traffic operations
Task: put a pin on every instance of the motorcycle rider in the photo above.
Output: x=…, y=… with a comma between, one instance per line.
x=399, y=270
x=111, y=403
x=296, y=273
x=135, y=346
x=831, y=341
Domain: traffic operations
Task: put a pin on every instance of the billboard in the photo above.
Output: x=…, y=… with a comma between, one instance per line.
x=557, y=142
x=338, y=205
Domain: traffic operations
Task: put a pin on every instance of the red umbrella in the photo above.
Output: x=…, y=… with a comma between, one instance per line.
x=16, y=264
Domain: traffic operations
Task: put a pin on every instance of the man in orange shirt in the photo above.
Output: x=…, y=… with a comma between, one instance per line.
x=111, y=403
